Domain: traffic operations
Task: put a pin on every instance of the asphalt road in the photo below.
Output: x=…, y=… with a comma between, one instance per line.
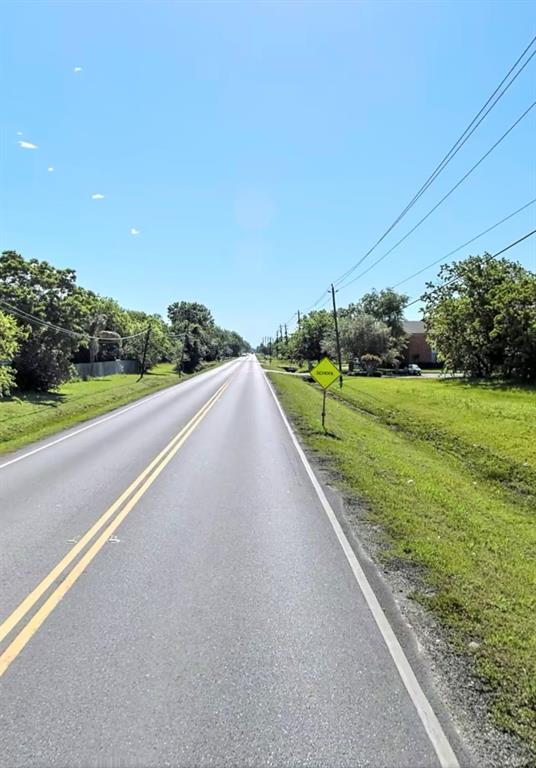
x=218, y=617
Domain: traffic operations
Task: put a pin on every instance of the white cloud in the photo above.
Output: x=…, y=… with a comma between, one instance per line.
x=50, y=168
x=77, y=69
x=27, y=145
x=97, y=196
x=134, y=231
x=19, y=133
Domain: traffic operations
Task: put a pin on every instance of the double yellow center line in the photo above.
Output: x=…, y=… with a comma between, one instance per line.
x=122, y=506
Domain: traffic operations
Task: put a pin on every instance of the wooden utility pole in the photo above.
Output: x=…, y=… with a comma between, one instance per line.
x=144, y=356
x=339, y=358
x=286, y=334
x=299, y=319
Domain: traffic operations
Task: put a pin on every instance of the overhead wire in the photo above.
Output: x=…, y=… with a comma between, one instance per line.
x=29, y=318
x=489, y=258
x=467, y=242
x=468, y=132
x=442, y=200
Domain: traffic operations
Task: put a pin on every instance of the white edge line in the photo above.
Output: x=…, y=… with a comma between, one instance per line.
x=429, y=719
x=113, y=415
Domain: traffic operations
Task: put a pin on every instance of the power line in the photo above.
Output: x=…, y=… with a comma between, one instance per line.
x=317, y=302
x=468, y=242
x=442, y=200
x=74, y=334
x=471, y=128
x=287, y=322
x=491, y=256
x=38, y=321
x=122, y=338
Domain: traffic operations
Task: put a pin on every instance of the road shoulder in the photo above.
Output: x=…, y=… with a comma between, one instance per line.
x=448, y=678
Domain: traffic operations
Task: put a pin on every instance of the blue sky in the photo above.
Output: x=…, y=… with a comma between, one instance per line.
x=258, y=148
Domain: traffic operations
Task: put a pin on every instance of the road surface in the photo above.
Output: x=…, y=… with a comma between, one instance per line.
x=214, y=616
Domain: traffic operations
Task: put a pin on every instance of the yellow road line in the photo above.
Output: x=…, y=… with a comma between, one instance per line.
x=164, y=457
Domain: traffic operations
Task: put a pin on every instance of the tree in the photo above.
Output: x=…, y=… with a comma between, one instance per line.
x=314, y=338
x=481, y=317
x=109, y=321
x=233, y=344
x=387, y=306
x=220, y=342
x=39, y=289
x=370, y=362
x=161, y=345
x=364, y=334
x=191, y=355
x=187, y=313
x=10, y=337
x=202, y=339
x=515, y=325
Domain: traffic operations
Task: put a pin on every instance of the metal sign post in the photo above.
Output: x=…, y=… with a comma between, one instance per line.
x=325, y=373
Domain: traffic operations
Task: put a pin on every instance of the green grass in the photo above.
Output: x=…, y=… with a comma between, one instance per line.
x=280, y=364
x=34, y=415
x=420, y=455
x=490, y=426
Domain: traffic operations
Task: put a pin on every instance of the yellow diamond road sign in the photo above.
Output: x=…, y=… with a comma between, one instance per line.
x=325, y=373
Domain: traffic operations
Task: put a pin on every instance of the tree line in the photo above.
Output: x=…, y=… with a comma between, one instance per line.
x=48, y=322
x=480, y=318
x=371, y=333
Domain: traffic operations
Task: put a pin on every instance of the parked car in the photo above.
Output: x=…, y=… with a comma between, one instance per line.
x=411, y=370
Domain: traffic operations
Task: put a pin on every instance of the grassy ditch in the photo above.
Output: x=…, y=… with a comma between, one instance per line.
x=281, y=364
x=34, y=415
x=448, y=471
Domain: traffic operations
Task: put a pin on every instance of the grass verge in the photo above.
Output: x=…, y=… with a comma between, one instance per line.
x=34, y=415
x=281, y=364
x=473, y=541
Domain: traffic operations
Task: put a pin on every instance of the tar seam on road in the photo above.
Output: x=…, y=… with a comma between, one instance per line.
x=432, y=726
x=113, y=415
x=153, y=470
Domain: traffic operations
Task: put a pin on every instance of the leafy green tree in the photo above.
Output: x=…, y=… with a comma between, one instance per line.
x=515, y=325
x=10, y=338
x=314, y=338
x=220, y=343
x=191, y=355
x=110, y=322
x=363, y=334
x=37, y=288
x=183, y=314
x=388, y=307
x=161, y=345
x=234, y=344
x=481, y=317
x=370, y=362
x=202, y=339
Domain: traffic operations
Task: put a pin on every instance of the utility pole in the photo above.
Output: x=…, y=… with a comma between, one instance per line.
x=337, y=334
x=299, y=319
x=144, y=356
x=270, y=350
x=286, y=334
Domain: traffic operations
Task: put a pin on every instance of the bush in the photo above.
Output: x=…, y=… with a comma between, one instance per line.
x=10, y=337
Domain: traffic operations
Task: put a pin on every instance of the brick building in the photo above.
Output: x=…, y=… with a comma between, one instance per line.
x=418, y=350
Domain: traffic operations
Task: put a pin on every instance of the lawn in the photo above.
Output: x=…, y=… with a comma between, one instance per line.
x=448, y=470
x=34, y=415
x=280, y=364
x=491, y=426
